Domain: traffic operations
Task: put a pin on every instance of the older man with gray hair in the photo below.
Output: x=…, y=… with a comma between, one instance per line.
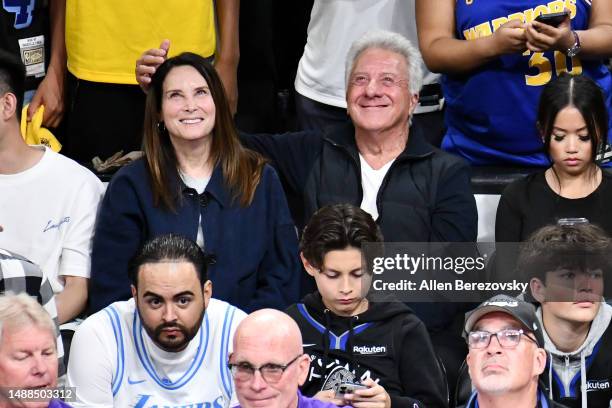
x=28, y=355
x=378, y=162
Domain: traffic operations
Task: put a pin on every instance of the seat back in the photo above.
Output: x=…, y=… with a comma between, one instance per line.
x=463, y=389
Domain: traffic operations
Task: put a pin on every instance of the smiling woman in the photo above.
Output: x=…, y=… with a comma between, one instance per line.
x=197, y=180
x=573, y=123
x=188, y=109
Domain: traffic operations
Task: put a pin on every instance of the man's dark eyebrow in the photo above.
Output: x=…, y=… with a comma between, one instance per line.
x=183, y=293
x=148, y=293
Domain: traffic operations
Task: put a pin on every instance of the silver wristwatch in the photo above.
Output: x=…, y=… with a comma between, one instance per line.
x=575, y=49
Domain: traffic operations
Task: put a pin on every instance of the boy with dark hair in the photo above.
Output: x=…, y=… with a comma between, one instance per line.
x=566, y=264
x=350, y=339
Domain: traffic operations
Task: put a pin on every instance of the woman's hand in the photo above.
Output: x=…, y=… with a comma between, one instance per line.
x=510, y=38
x=543, y=37
x=374, y=396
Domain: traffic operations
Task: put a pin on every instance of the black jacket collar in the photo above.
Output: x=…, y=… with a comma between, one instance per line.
x=344, y=136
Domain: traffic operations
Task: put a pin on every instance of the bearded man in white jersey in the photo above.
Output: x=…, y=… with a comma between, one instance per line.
x=167, y=346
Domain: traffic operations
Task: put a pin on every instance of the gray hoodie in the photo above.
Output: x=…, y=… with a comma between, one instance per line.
x=567, y=365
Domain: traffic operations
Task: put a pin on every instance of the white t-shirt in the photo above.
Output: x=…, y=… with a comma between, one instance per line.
x=334, y=25
x=47, y=214
x=114, y=363
x=199, y=185
x=371, y=180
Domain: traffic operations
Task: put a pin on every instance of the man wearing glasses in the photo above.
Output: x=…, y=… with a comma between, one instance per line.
x=506, y=355
x=268, y=363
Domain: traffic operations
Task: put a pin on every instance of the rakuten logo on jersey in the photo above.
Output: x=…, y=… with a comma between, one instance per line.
x=370, y=350
x=597, y=385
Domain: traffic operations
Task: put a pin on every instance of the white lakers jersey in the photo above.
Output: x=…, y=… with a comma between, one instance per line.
x=114, y=363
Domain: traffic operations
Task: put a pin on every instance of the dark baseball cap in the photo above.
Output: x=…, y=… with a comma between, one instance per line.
x=522, y=311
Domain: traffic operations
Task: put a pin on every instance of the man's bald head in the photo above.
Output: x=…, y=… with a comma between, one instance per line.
x=272, y=329
x=268, y=337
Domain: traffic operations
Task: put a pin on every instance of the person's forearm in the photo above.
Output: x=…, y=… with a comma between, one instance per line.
x=452, y=56
x=228, y=48
x=57, y=14
x=596, y=41
x=443, y=52
x=72, y=300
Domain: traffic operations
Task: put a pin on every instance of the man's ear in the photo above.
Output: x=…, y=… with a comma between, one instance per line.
x=414, y=102
x=8, y=106
x=539, y=361
x=207, y=292
x=303, y=366
x=310, y=269
x=468, y=358
x=538, y=290
x=134, y=292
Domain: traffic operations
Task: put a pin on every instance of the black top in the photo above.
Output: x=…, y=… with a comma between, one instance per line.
x=426, y=195
x=387, y=343
x=529, y=204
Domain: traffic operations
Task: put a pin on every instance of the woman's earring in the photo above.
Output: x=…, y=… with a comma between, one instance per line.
x=161, y=127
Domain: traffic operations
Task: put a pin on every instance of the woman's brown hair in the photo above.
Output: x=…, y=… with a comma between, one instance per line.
x=242, y=168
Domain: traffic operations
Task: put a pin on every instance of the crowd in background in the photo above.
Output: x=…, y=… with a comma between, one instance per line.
x=268, y=159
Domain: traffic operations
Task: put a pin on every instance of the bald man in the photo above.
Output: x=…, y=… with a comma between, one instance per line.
x=268, y=363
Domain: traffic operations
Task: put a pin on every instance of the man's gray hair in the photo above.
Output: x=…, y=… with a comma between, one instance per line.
x=23, y=310
x=389, y=41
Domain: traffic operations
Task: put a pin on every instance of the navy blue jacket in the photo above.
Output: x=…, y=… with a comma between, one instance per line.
x=255, y=248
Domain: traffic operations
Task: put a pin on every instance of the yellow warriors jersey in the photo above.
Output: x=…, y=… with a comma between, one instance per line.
x=104, y=38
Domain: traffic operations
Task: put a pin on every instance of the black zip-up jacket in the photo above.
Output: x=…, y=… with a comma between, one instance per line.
x=426, y=195
x=387, y=343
